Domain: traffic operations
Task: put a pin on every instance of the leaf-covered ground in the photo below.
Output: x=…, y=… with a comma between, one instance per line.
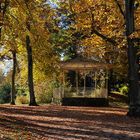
x=70, y=123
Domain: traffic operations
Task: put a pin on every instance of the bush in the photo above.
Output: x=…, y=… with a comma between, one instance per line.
x=22, y=96
x=22, y=100
x=5, y=91
x=44, y=97
x=123, y=89
x=44, y=93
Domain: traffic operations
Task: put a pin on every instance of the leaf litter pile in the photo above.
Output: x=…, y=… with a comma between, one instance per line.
x=70, y=123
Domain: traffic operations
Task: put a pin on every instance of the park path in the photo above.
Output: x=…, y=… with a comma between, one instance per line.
x=53, y=122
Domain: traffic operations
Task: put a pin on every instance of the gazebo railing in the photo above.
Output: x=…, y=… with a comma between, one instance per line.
x=71, y=92
x=89, y=92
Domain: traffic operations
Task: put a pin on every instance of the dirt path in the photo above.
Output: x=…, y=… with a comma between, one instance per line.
x=69, y=123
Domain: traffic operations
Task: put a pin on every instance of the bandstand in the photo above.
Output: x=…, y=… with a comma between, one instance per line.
x=85, y=83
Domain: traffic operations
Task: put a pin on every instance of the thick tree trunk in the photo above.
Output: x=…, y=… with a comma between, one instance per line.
x=13, y=92
x=134, y=92
x=30, y=72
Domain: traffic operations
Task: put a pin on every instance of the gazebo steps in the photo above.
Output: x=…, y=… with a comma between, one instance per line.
x=94, y=102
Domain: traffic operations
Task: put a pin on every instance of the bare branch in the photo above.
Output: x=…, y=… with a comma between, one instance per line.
x=120, y=8
x=94, y=31
x=110, y=40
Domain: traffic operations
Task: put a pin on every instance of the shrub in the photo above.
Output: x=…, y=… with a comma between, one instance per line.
x=44, y=92
x=123, y=89
x=44, y=97
x=22, y=96
x=22, y=100
x=5, y=91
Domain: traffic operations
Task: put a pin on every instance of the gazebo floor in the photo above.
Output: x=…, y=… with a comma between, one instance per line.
x=80, y=101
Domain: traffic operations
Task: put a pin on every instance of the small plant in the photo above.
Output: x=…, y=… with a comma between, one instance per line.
x=56, y=84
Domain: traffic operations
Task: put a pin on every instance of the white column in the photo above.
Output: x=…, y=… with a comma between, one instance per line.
x=84, y=83
x=77, y=91
x=106, y=80
x=95, y=80
x=63, y=92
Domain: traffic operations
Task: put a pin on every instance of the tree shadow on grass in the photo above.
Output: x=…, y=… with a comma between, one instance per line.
x=70, y=122
x=58, y=132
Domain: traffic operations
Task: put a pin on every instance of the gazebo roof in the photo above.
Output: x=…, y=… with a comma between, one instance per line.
x=80, y=63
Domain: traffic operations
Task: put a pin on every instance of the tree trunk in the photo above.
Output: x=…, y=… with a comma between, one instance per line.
x=134, y=87
x=3, y=6
x=13, y=92
x=30, y=72
x=1, y=18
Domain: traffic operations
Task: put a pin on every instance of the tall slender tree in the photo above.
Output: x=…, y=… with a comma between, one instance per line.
x=13, y=92
x=3, y=12
x=30, y=68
